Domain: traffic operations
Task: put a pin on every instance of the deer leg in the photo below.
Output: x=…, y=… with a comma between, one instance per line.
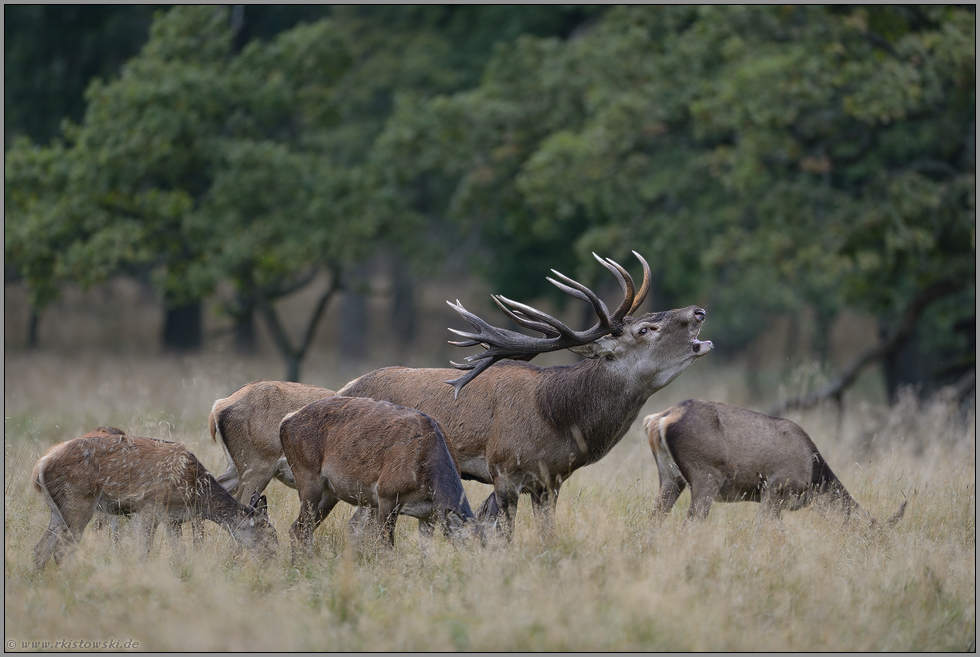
x=68, y=523
x=388, y=514
x=255, y=478
x=148, y=529
x=670, y=490
x=364, y=517
x=175, y=534
x=229, y=479
x=315, y=505
x=506, y=503
x=284, y=473
x=672, y=484
x=773, y=501
x=55, y=540
x=427, y=528
x=543, y=503
x=703, y=492
x=197, y=532
x=489, y=510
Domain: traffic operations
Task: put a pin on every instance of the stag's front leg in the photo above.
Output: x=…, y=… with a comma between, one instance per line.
x=506, y=502
x=543, y=503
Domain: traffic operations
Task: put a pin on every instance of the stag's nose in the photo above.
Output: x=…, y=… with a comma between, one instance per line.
x=699, y=315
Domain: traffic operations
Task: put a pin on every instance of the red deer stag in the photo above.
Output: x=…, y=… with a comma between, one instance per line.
x=730, y=454
x=372, y=453
x=526, y=429
x=246, y=424
x=109, y=471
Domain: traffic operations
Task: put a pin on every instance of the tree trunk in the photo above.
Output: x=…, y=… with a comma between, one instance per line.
x=403, y=316
x=354, y=318
x=895, y=339
x=183, y=328
x=244, y=335
x=32, y=328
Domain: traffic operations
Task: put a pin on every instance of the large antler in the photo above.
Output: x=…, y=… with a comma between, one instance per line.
x=502, y=343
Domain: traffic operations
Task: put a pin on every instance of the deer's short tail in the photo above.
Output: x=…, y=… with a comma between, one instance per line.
x=37, y=477
x=213, y=425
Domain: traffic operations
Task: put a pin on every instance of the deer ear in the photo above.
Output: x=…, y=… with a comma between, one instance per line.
x=254, y=500
x=596, y=349
x=262, y=505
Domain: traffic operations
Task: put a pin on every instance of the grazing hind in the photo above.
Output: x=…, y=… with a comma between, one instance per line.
x=730, y=454
x=376, y=454
x=109, y=471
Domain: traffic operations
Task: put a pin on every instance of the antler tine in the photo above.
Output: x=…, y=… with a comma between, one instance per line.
x=580, y=291
x=644, y=287
x=474, y=371
x=522, y=318
x=526, y=314
x=626, y=281
x=502, y=343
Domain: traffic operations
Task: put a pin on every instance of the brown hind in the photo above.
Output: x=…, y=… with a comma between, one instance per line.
x=109, y=471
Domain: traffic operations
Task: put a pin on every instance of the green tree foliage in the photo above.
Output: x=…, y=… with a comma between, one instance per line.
x=199, y=165
x=219, y=156
x=763, y=158
x=52, y=51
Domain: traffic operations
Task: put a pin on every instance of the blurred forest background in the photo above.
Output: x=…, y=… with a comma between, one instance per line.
x=302, y=178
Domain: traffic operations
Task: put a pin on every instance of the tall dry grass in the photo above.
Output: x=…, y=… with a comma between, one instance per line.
x=606, y=580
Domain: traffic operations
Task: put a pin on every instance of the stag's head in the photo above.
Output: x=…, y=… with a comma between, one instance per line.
x=656, y=347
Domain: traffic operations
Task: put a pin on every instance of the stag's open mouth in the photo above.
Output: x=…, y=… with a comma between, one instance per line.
x=701, y=347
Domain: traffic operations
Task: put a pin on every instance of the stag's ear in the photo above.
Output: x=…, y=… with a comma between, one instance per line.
x=600, y=348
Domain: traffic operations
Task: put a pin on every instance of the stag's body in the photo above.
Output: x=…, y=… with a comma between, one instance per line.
x=118, y=474
x=731, y=454
x=246, y=424
x=525, y=429
x=371, y=453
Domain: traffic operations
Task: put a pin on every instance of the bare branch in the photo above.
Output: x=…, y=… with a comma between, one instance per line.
x=886, y=348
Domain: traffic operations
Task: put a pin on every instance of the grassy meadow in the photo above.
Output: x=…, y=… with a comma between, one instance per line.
x=606, y=580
